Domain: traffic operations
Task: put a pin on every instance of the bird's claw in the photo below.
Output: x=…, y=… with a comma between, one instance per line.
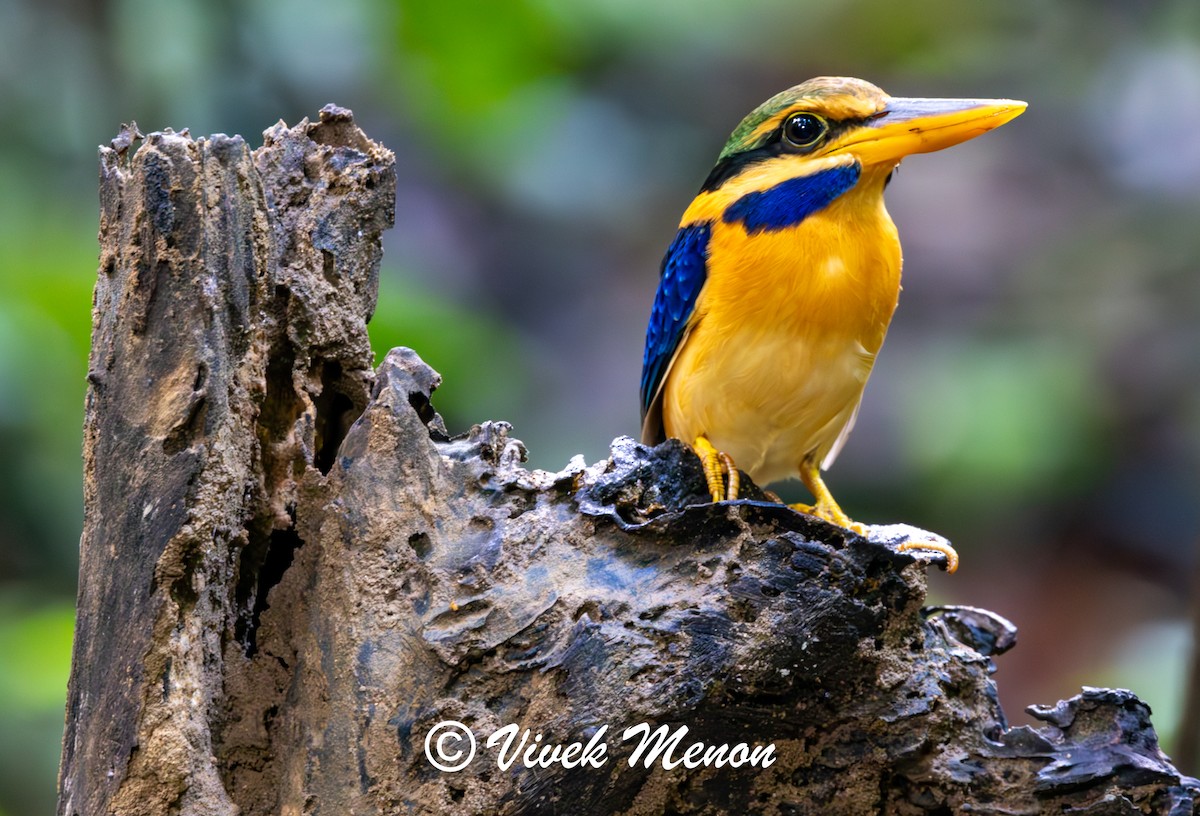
x=933, y=546
x=721, y=474
x=834, y=515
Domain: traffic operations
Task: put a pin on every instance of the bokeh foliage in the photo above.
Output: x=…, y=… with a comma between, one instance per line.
x=1038, y=399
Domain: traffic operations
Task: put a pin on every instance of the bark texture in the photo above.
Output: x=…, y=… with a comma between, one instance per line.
x=291, y=573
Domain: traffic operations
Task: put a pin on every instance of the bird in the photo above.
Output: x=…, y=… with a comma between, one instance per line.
x=776, y=293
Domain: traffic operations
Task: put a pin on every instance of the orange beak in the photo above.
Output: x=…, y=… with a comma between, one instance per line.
x=911, y=125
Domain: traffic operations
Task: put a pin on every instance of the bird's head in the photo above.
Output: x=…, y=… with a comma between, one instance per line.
x=831, y=121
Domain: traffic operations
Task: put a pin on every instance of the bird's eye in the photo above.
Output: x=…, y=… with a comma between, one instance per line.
x=804, y=129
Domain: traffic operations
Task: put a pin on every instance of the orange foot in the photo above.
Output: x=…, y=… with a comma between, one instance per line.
x=718, y=466
x=826, y=508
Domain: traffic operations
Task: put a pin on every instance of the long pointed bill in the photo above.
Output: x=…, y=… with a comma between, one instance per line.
x=909, y=126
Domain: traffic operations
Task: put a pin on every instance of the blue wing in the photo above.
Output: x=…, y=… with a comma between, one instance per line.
x=684, y=269
x=683, y=275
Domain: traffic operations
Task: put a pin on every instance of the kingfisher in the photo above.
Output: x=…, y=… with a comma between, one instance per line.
x=776, y=294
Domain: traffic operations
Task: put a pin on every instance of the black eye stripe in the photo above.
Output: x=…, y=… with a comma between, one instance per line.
x=772, y=145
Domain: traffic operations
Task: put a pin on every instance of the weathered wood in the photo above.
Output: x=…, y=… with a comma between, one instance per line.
x=291, y=573
x=229, y=351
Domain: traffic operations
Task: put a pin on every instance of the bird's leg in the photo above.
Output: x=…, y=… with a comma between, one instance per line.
x=717, y=466
x=825, y=506
x=828, y=509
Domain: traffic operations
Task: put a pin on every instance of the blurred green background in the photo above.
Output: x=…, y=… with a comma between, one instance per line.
x=1037, y=402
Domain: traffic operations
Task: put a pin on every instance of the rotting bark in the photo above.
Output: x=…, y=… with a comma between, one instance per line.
x=291, y=572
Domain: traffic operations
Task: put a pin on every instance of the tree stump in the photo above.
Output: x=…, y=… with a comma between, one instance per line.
x=292, y=575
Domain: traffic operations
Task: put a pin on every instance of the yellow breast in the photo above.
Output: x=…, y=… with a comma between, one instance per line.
x=785, y=332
